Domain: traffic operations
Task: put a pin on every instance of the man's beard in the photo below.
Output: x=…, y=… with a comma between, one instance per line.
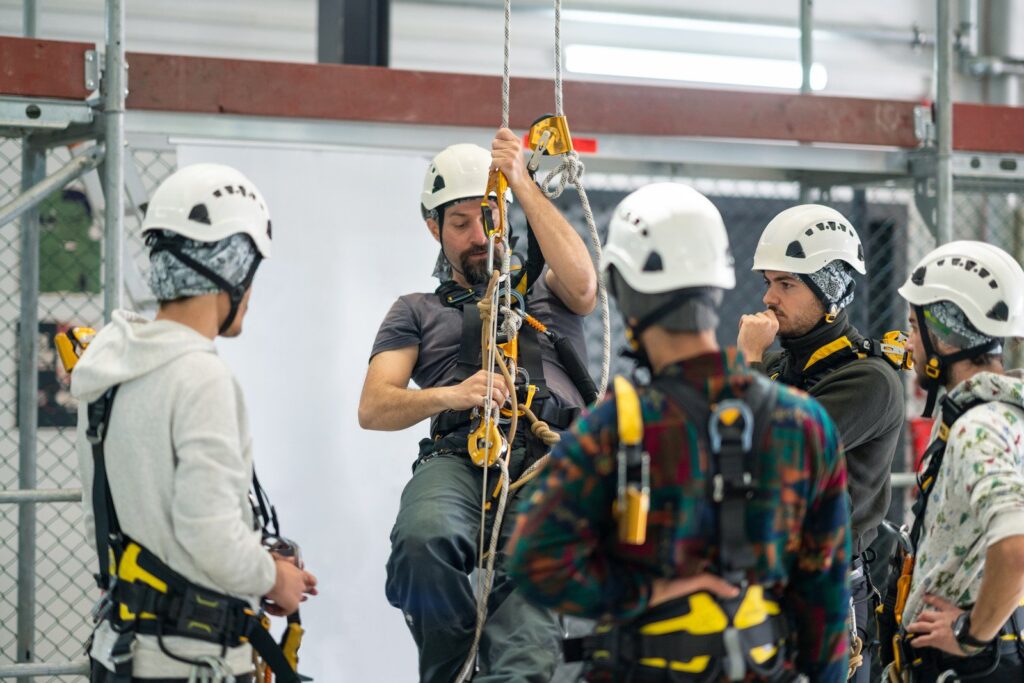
x=474, y=268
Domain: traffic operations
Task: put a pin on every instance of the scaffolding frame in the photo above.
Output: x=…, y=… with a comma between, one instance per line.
x=817, y=140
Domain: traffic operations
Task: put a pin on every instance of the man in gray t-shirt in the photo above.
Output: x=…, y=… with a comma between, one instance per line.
x=426, y=338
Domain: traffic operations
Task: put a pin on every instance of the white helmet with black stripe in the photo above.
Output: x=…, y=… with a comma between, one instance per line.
x=804, y=239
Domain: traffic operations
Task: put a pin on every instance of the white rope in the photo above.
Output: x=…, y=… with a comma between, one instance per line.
x=559, y=111
x=570, y=172
x=469, y=667
x=506, y=76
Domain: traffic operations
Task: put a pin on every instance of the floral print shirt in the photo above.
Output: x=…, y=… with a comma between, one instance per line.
x=978, y=497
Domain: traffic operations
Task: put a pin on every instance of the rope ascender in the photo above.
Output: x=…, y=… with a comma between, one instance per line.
x=488, y=446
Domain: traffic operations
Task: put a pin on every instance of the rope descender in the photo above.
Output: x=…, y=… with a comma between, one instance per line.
x=549, y=136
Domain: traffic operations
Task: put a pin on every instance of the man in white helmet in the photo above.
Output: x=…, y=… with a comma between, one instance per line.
x=963, y=610
x=700, y=517
x=166, y=455
x=808, y=255
x=434, y=339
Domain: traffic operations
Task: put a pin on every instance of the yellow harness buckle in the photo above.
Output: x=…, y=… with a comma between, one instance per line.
x=633, y=502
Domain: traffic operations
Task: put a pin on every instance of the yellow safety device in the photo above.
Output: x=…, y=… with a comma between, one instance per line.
x=290, y=643
x=549, y=135
x=633, y=501
x=486, y=443
x=497, y=184
x=71, y=344
x=894, y=347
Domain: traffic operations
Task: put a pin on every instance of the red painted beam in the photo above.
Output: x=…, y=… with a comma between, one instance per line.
x=988, y=128
x=38, y=68
x=377, y=94
x=43, y=68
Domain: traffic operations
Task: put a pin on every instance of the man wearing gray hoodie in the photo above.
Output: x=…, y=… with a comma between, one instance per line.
x=177, y=449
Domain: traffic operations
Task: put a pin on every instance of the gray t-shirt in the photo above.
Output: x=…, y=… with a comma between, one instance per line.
x=422, y=320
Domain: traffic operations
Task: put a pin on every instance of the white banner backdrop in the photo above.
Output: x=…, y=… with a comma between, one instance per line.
x=348, y=240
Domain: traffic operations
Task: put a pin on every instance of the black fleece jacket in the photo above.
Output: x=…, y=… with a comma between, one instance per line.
x=865, y=398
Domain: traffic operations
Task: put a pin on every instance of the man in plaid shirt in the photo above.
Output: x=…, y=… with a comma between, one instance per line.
x=668, y=261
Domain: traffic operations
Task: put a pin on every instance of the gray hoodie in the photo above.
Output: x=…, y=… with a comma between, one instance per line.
x=179, y=459
x=978, y=499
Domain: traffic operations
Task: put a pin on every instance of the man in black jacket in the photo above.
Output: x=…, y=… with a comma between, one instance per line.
x=807, y=255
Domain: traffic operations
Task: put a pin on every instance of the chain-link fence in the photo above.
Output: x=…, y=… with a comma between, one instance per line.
x=890, y=225
x=70, y=264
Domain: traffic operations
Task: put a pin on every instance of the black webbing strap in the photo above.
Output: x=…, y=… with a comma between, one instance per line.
x=730, y=480
x=950, y=412
x=184, y=603
x=107, y=527
x=531, y=361
x=469, y=362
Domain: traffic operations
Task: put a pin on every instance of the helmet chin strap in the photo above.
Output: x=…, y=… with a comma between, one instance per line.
x=831, y=309
x=635, y=329
x=936, y=365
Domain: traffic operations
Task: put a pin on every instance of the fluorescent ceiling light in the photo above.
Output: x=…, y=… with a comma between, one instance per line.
x=681, y=23
x=687, y=66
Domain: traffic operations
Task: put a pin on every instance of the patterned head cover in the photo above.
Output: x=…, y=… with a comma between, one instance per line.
x=950, y=325
x=170, y=279
x=834, y=282
x=442, y=268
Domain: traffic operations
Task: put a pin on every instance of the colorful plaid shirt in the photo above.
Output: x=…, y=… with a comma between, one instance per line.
x=565, y=555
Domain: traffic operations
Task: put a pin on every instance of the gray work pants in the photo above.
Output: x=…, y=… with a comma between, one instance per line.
x=433, y=550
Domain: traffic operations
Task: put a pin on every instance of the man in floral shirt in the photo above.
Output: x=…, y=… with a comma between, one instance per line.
x=668, y=262
x=962, y=613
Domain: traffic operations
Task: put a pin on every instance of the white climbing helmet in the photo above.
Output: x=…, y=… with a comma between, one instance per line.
x=457, y=172
x=668, y=236
x=804, y=239
x=985, y=282
x=207, y=203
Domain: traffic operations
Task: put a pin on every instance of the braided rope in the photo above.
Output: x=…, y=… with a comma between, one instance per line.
x=569, y=171
x=506, y=74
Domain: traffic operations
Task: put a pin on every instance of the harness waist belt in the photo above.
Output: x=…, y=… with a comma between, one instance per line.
x=691, y=634
x=452, y=420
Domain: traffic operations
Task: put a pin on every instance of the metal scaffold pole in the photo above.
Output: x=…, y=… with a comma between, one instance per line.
x=115, y=84
x=944, y=124
x=33, y=170
x=806, y=44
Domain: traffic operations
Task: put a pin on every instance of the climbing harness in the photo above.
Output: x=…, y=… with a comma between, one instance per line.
x=892, y=347
x=145, y=596
x=699, y=634
x=142, y=595
x=904, y=663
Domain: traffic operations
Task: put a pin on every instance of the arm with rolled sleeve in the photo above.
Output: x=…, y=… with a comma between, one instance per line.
x=211, y=484
x=818, y=587
x=557, y=552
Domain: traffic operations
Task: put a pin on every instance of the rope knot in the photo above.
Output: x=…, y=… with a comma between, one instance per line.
x=568, y=172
